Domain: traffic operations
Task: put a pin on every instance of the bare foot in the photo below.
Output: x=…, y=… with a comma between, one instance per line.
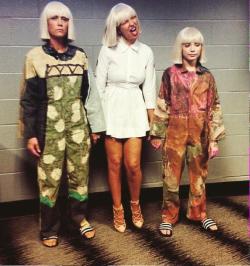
x=209, y=225
x=86, y=229
x=90, y=234
x=213, y=227
x=53, y=242
x=166, y=232
x=166, y=229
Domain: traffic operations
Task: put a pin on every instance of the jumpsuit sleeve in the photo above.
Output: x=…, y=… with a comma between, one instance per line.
x=93, y=106
x=29, y=100
x=149, y=84
x=102, y=71
x=161, y=114
x=215, y=121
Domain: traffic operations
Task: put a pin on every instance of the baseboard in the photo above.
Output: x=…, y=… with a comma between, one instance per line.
x=28, y=207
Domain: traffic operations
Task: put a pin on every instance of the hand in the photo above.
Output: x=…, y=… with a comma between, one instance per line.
x=33, y=146
x=95, y=137
x=156, y=143
x=213, y=150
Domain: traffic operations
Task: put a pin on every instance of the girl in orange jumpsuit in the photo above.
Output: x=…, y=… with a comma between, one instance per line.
x=188, y=119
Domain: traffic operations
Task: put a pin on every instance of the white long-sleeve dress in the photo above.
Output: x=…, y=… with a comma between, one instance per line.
x=125, y=78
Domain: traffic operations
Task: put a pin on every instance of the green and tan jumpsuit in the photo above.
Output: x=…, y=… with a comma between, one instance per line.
x=60, y=106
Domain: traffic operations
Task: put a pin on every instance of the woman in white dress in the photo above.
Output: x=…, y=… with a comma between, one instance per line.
x=125, y=78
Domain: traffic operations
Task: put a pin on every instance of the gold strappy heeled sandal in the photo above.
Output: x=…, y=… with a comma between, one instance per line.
x=137, y=217
x=119, y=222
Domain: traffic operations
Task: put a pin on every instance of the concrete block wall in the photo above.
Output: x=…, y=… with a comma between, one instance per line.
x=224, y=24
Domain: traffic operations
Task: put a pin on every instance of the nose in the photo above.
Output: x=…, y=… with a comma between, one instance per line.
x=192, y=47
x=131, y=22
x=59, y=21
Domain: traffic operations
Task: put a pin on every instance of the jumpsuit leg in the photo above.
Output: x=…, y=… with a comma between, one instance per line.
x=172, y=170
x=174, y=150
x=197, y=160
x=77, y=159
x=50, y=167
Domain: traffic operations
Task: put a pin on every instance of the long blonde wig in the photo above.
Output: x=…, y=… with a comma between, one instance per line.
x=117, y=15
x=52, y=9
x=188, y=35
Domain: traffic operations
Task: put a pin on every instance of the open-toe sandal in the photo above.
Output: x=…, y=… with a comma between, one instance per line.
x=50, y=242
x=137, y=217
x=119, y=221
x=86, y=230
x=166, y=229
x=208, y=223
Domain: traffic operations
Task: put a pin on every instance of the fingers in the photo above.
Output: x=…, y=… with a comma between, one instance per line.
x=95, y=137
x=157, y=146
x=34, y=151
x=213, y=153
x=37, y=147
x=156, y=143
x=34, y=147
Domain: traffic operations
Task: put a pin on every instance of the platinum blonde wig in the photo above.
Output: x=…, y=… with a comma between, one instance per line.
x=188, y=35
x=117, y=15
x=52, y=9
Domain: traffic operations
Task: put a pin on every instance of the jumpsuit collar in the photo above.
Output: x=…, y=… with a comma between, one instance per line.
x=67, y=55
x=199, y=69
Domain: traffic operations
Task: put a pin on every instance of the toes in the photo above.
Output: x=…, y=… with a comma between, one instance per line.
x=166, y=232
x=213, y=228
x=50, y=242
x=90, y=234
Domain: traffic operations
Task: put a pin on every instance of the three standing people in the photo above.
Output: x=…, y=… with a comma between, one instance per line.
x=59, y=102
x=125, y=78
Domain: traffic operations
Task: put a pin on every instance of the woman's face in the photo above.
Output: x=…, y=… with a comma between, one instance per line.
x=129, y=29
x=58, y=26
x=191, y=51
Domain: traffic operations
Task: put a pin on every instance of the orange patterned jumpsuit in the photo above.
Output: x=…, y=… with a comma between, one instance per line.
x=188, y=117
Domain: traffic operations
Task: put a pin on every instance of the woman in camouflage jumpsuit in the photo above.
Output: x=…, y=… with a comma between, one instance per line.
x=188, y=119
x=59, y=102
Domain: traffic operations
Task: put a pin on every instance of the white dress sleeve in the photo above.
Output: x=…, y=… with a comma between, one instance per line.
x=94, y=107
x=102, y=71
x=149, y=84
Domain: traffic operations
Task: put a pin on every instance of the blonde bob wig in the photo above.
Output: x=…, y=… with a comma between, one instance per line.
x=188, y=35
x=117, y=15
x=52, y=9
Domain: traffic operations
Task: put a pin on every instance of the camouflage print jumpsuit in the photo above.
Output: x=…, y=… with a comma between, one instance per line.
x=56, y=88
x=188, y=117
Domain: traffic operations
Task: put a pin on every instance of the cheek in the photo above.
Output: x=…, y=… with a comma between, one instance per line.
x=199, y=51
x=199, y=48
x=184, y=51
x=122, y=29
x=51, y=25
x=66, y=26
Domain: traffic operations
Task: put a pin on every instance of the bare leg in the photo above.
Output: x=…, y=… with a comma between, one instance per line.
x=114, y=150
x=132, y=161
x=114, y=157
